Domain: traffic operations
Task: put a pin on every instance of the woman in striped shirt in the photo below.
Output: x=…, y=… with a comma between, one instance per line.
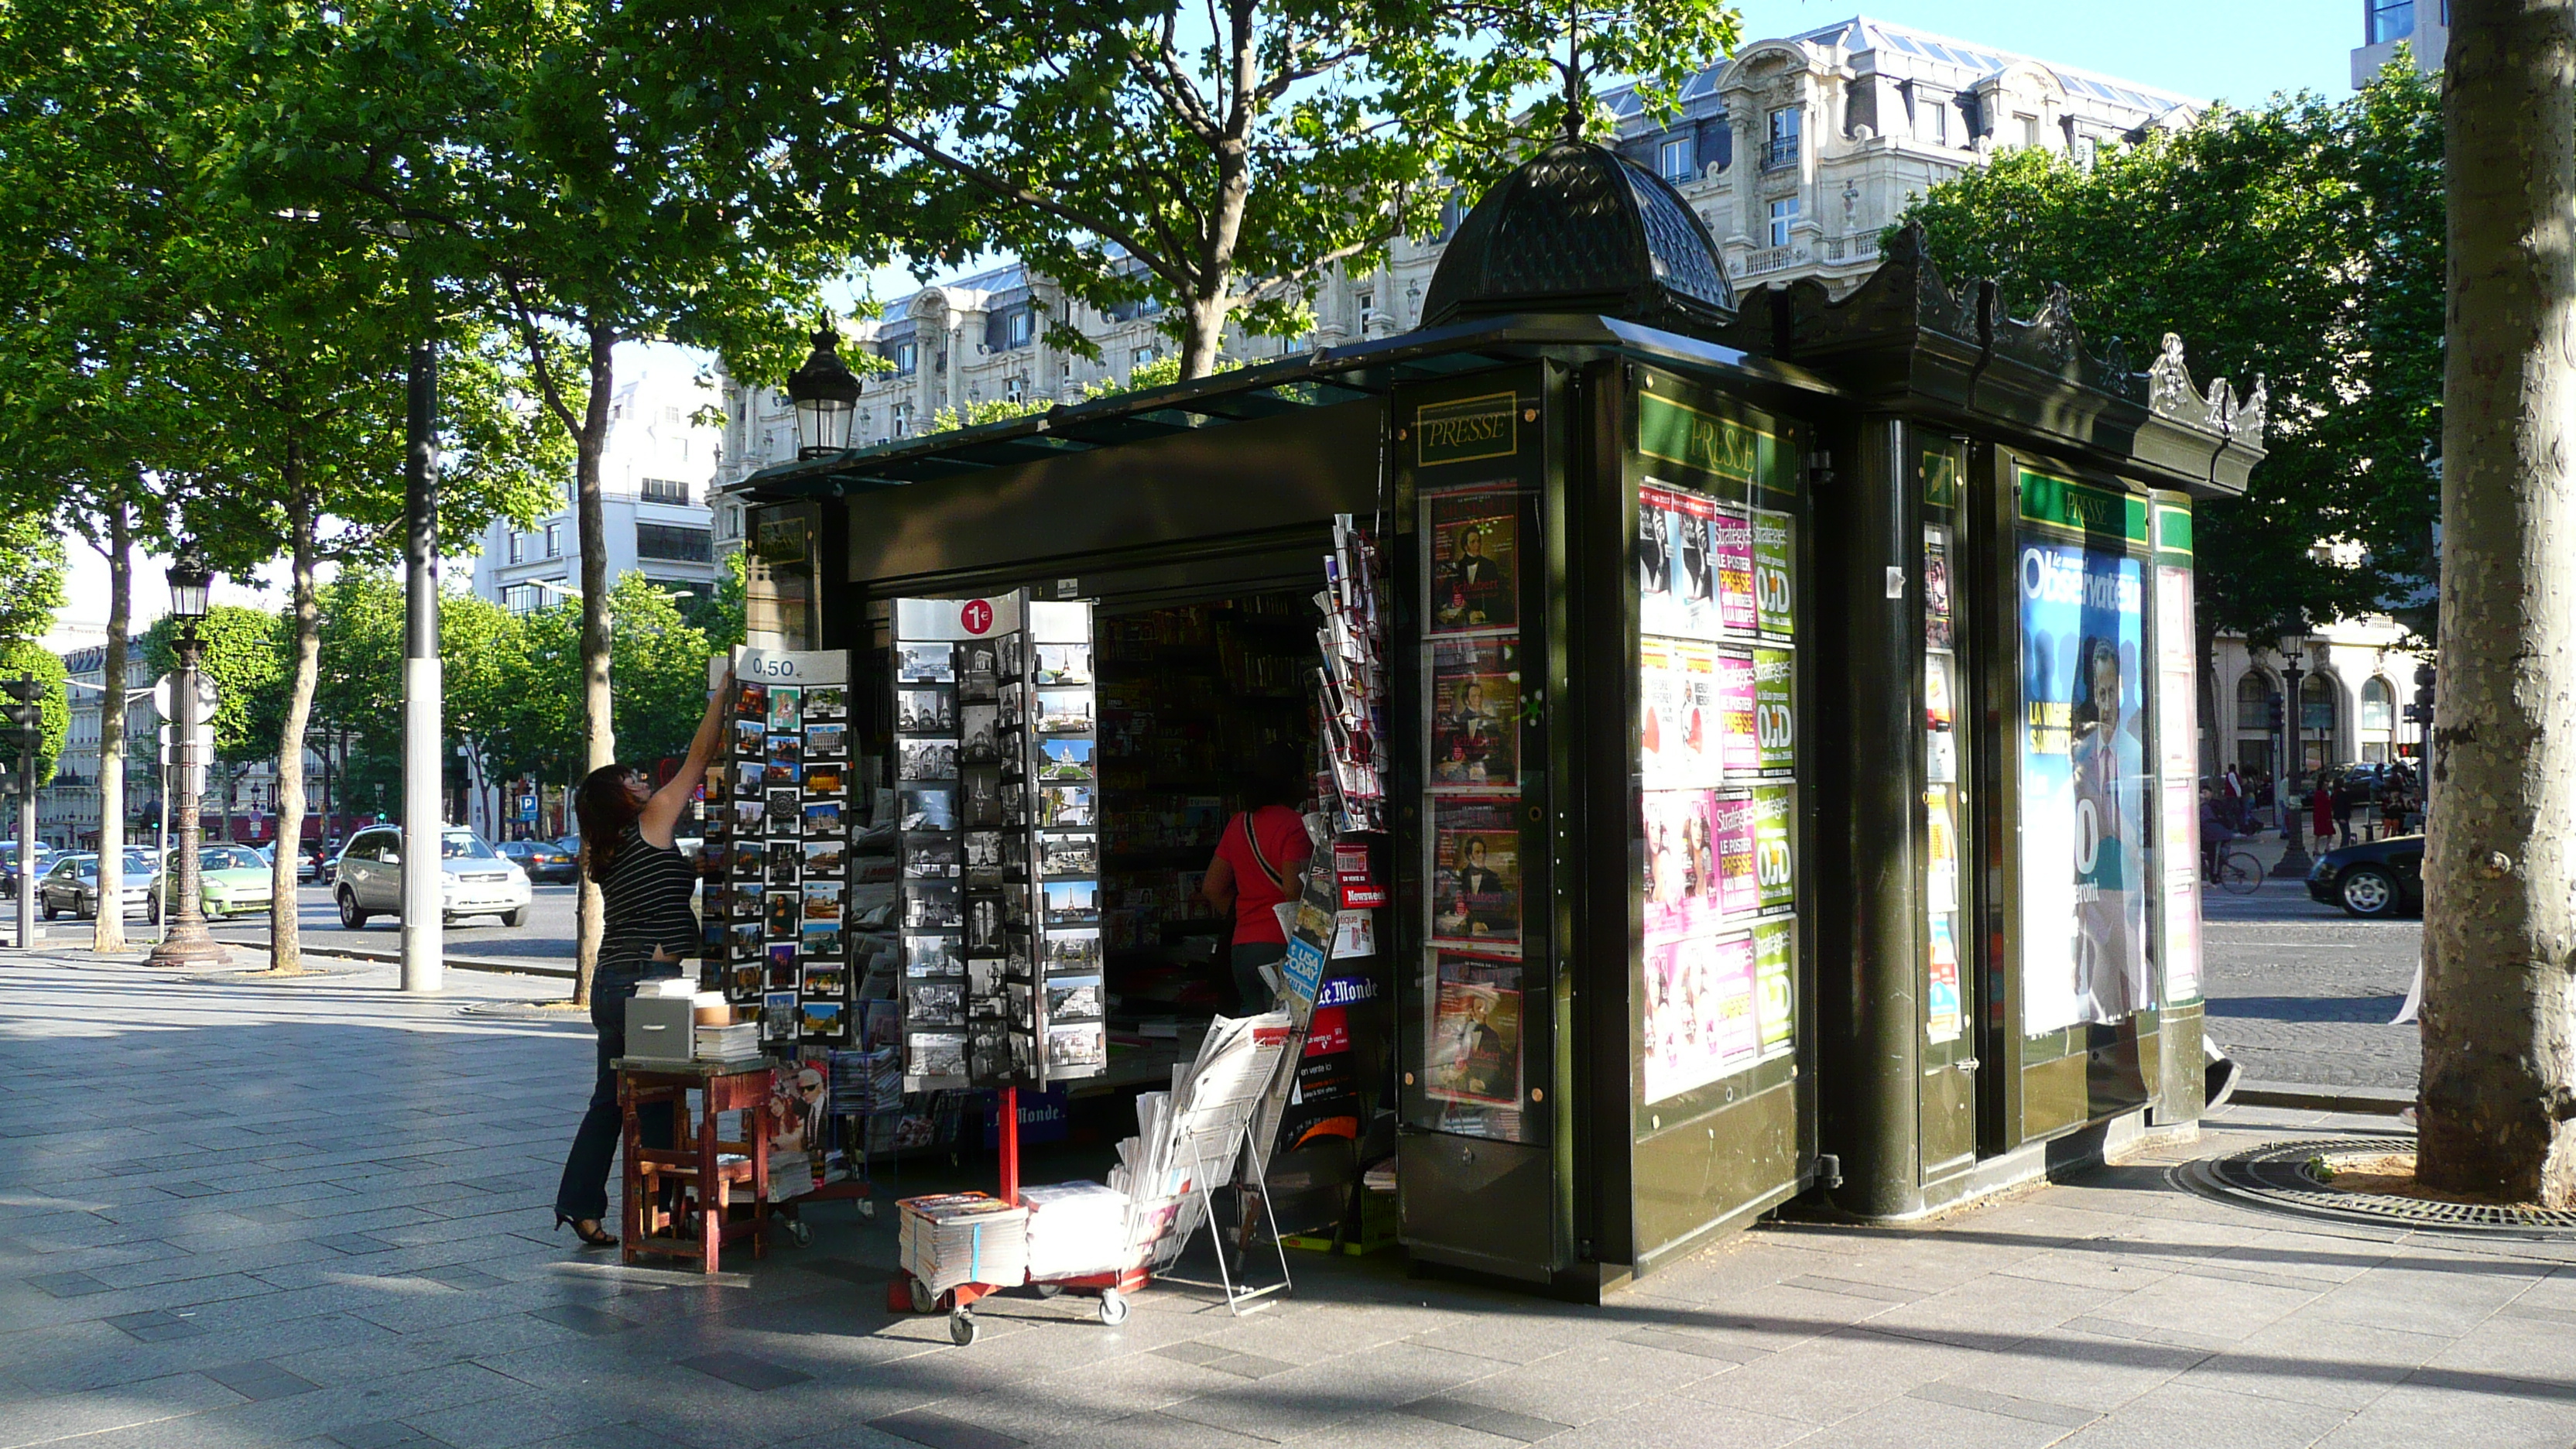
x=646, y=926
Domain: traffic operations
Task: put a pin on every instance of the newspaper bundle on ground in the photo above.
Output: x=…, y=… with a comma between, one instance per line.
x=1194, y=1131
x=1076, y=1229
x=963, y=1237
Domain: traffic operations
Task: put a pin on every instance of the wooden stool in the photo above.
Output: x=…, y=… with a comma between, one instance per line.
x=700, y=1181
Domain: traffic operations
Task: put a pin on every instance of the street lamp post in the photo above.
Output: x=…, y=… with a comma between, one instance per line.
x=2294, y=856
x=826, y=394
x=186, y=942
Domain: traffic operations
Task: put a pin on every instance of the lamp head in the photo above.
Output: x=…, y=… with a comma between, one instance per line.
x=190, y=581
x=826, y=395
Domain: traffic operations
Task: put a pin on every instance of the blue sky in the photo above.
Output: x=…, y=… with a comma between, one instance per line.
x=2239, y=51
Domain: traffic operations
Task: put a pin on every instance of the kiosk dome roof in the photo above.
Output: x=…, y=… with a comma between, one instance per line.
x=1580, y=228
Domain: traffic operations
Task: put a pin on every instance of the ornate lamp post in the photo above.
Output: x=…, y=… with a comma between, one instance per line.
x=2294, y=857
x=826, y=394
x=186, y=942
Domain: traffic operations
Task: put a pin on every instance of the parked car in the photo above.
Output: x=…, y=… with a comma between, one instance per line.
x=2375, y=878
x=543, y=860
x=232, y=880
x=71, y=884
x=9, y=864
x=474, y=879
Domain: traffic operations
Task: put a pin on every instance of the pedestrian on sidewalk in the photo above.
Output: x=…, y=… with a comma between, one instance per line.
x=2349, y=793
x=2321, y=808
x=646, y=926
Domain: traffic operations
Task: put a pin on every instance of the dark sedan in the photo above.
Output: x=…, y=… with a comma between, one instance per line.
x=542, y=860
x=2377, y=878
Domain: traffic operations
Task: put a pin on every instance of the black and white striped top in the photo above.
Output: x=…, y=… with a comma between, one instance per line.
x=646, y=899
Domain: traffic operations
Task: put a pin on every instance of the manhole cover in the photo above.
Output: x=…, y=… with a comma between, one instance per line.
x=2277, y=1175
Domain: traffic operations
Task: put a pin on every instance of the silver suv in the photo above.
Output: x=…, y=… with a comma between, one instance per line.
x=474, y=879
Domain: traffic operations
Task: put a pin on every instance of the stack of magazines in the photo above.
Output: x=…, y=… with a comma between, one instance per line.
x=867, y=1084
x=1353, y=676
x=1187, y=1139
x=963, y=1237
x=1075, y=1229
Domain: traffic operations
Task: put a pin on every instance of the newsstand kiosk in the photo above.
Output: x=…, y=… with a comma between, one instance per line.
x=1788, y=728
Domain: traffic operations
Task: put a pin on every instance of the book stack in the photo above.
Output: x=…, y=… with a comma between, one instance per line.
x=1075, y=1229
x=963, y=1237
x=738, y=1042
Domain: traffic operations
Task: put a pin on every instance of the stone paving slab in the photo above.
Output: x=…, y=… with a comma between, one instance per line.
x=320, y=1219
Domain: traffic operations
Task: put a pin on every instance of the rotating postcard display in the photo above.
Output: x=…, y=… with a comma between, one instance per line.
x=998, y=802
x=1717, y=746
x=775, y=917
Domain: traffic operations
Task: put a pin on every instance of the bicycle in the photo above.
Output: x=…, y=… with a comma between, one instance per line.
x=2238, y=873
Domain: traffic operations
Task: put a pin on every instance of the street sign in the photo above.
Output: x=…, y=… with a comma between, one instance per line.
x=163, y=699
x=528, y=807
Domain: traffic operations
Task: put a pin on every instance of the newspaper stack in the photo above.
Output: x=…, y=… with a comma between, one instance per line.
x=963, y=1237
x=1187, y=1139
x=1075, y=1229
x=1353, y=676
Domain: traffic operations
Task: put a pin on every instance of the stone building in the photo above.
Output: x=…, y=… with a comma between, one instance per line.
x=1797, y=151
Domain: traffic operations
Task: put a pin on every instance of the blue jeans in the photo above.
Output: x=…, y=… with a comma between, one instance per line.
x=583, y=1194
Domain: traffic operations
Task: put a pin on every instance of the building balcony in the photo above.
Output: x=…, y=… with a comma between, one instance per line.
x=1779, y=155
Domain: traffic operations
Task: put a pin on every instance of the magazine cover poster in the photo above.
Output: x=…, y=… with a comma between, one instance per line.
x=1475, y=1053
x=1476, y=878
x=1475, y=561
x=1775, y=711
x=1775, y=846
x=1699, y=1019
x=1775, y=986
x=1676, y=570
x=1775, y=597
x=1731, y=542
x=1475, y=712
x=1681, y=862
x=2083, y=887
x=1679, y=731
x=1739, y=742
x=1739, y=890
x=1939, y=632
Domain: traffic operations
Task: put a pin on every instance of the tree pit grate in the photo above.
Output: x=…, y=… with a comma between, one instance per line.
x=2279, y=1175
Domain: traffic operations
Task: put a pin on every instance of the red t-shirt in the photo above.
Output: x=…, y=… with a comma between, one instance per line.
x=1282, y=833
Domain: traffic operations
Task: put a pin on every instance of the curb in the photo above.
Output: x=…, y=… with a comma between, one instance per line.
x=2305, y=1097
x=388, y=958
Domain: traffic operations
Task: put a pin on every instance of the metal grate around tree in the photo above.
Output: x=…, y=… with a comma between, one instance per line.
x=2283, y=1176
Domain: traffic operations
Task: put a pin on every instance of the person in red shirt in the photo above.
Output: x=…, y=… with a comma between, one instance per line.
x=1260, y=863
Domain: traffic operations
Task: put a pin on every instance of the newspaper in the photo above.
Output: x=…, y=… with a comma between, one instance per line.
x=962, y=1237
x=1187, y=1139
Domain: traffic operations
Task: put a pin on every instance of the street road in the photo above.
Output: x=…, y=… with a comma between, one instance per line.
x=2300, y=992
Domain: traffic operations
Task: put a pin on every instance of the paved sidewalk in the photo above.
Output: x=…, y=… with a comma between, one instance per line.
x=313, y=1212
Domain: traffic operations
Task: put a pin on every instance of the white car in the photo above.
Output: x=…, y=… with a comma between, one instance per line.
x=474, y=879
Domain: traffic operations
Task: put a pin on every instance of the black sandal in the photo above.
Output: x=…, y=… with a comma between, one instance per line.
x=592, y=1235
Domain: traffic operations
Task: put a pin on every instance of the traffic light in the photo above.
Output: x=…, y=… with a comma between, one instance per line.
x=2422, y=708
x=2278, y=719
x=25, y=714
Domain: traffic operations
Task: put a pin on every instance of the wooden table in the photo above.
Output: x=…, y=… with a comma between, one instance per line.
x=702, y=1182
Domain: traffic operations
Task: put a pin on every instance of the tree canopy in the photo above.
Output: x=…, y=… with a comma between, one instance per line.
x=1219, y=158
x=2302, y=242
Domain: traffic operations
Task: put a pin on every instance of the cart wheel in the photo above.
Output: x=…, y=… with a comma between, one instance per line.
x=868, y=1208
x=1113, y=1307
x=1049, y=1290
x=923, y=1300
x=962, y=1328
x=798, y=1233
